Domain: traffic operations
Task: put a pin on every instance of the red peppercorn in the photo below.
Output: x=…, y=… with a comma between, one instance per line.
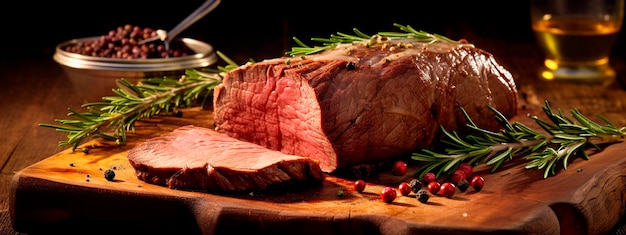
x=478, y=182
x=399, y=168
x=359, y=185
x=388, y=194
x=447, y=189
x=457, y=176
x=121, y=43
x=433, y=187
x=429, y=177
x=405, y=188
x=467, y=169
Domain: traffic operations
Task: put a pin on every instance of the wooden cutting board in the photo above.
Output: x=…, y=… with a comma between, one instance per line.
x=68, y=193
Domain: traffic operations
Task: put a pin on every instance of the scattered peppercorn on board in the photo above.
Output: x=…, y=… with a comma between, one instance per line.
x=68, y=193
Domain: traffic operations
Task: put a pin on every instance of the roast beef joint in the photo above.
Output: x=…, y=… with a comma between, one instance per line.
x=361, y=103
x=357, y=103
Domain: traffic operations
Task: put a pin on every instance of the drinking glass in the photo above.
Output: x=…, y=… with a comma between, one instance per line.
x=577, y=37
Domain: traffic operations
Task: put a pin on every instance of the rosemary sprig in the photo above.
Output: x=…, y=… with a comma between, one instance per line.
x=565, y=138
x=111, y=118
x=340, y=38
x=327, y=43
x=420, y=35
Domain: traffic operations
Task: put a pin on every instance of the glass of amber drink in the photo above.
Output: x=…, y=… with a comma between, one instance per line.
x=577, y=37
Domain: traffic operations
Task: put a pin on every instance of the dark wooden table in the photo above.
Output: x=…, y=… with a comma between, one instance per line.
x=34, y=89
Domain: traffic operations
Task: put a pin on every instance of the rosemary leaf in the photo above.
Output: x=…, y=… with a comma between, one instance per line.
x=500, y=157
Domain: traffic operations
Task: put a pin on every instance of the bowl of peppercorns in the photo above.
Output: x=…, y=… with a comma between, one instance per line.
x=119, y=54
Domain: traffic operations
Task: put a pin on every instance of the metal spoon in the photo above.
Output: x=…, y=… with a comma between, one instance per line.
x=167, y=37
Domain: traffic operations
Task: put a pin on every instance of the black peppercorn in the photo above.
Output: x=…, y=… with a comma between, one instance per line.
x=422, y=196
x=350, y=66
x=109, y=175
x=462, y=185
x=416, y=185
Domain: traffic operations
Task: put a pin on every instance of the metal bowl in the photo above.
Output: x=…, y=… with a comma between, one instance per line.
x=97, y=75
x=134, y=68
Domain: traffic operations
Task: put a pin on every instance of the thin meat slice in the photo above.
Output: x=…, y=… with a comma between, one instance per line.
x=198, y=158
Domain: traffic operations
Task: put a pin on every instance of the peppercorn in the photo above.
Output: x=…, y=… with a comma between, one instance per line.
x=462, y=185
x=434, y=187
x=121, y=43
x=359, y=185
x=388, y=194
x=86, y=150
x=340, y=193
x=467, y=169
x=109, y=174
x=447, y=189
x=416, y=185
x=422, y=196
x=429, y=177
x=399, y=168
x=457, y=176
x=350, y=66
x=404, y=188
x=478, y=183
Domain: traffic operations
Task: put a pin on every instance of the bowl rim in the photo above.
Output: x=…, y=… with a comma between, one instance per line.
x=204, y=57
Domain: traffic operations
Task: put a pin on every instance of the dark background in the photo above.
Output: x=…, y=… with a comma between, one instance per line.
x=254, y=25
x=259, y=29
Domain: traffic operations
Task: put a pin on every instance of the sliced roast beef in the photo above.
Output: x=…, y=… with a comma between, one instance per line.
x=199, y=158
x=362, y=103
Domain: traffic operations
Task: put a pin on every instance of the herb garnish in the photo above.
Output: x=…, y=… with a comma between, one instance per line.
x=565, y=138
x=339, y=38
